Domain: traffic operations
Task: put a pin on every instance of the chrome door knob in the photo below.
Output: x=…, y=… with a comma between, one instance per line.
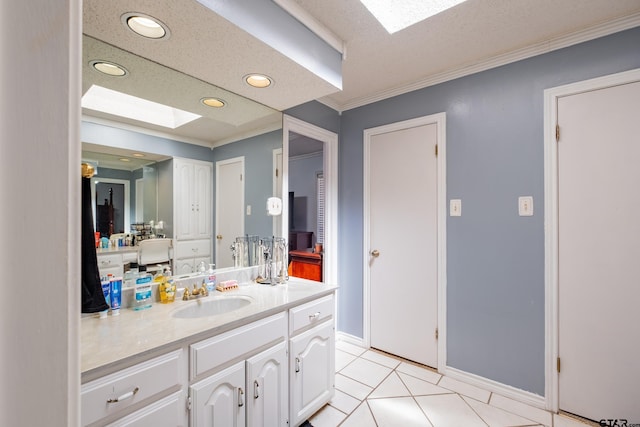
x=375, y=253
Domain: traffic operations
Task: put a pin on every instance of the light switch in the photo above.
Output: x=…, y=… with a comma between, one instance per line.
x=455, y=207
x=525, y=206
x=248, y=209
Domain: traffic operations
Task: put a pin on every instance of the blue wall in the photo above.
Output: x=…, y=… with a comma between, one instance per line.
x=495, y=271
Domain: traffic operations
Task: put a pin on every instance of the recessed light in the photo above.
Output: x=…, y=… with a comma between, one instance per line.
x=109, y=68
x=258, y=80
x=213, y=102
x=124, y=159
x=145, y=25
x=138, y=155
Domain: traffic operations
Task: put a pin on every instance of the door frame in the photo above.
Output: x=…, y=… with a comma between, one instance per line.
x=277, y=178
x=242, y=208
x=439, y=120
x=551, y=203
x=330, y=170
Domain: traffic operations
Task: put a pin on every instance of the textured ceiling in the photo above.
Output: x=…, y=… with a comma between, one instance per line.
x=469, y=33
x=377, y=65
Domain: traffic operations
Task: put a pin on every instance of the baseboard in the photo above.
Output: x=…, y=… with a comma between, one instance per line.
x=351, y=339
x=517, y=394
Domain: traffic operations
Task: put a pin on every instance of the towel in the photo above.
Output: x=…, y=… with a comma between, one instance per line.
x=92, y=296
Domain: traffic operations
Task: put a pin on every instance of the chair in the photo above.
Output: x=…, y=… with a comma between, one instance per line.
x=152, y=252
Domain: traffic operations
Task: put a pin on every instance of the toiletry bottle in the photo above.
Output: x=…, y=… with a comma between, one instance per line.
x=116, y=295
x=142, y=290
x=167, y=288
x=211, y=279
x=106, y=289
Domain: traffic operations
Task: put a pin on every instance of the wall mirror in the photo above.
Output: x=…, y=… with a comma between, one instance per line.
x=241, y=128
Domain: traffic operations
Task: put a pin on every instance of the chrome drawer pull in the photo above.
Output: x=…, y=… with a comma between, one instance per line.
x=125, y=396
x=240, y=397
x=314, y=316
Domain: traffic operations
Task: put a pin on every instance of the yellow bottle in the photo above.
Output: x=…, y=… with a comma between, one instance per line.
x=166, y=287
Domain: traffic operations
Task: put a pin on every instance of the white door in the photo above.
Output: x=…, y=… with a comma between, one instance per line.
x=229, y=208
x=267, y=384
x=312, y=371
x=599, y=253
x=219, y=400
x=403, y=242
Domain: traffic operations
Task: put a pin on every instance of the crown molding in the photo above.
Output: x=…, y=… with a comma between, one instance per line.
x=140, y=129
x=556, y=43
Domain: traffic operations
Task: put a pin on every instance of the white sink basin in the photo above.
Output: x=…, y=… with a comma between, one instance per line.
x=211, y=307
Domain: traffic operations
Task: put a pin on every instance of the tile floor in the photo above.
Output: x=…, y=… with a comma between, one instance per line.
x=375, y=389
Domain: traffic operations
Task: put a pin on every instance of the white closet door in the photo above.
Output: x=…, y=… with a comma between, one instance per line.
x=599, y=253
x=404, y=246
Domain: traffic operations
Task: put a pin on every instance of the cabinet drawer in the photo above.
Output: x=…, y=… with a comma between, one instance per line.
x=108, y=261
x=192, y=248
x=213, y=352
x=310, y=314
x=167, y=411
x=149, y=378
x=129, y=257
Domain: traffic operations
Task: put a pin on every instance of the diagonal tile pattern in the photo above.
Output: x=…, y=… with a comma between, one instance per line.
x=374, y=389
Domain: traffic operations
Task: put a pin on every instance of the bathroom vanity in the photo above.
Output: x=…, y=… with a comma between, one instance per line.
x=256, y=356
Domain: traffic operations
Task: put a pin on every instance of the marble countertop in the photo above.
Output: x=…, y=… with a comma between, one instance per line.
x=109, y=342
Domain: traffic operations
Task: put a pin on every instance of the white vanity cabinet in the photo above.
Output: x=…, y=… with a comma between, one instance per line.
x=190, y=253
x=192, y=207
x=113, y=262
x=249, y=393
x=253, y=391
x=311, y=358
x=154, y=389
x=275, y=371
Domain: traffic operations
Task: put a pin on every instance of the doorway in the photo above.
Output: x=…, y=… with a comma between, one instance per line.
x=107, y=191
x=229, y=208
x=291, y=128
x=404, y=236
x=591, y=174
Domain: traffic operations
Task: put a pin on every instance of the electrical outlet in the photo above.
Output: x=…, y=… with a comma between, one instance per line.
x=455, y=207
x=525, y=206
x=248, y=209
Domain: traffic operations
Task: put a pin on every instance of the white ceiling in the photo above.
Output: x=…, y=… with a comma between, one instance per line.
x=472, y=36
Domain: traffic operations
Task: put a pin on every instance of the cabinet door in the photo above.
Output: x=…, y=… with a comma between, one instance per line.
x=219, y=400
x=311, y=371
x=202, y=200
x=183, y=266
x=183, y=194
x=267, y=386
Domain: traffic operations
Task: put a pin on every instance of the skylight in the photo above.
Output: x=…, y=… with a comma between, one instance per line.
x=120, y=104
x=396, y=15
